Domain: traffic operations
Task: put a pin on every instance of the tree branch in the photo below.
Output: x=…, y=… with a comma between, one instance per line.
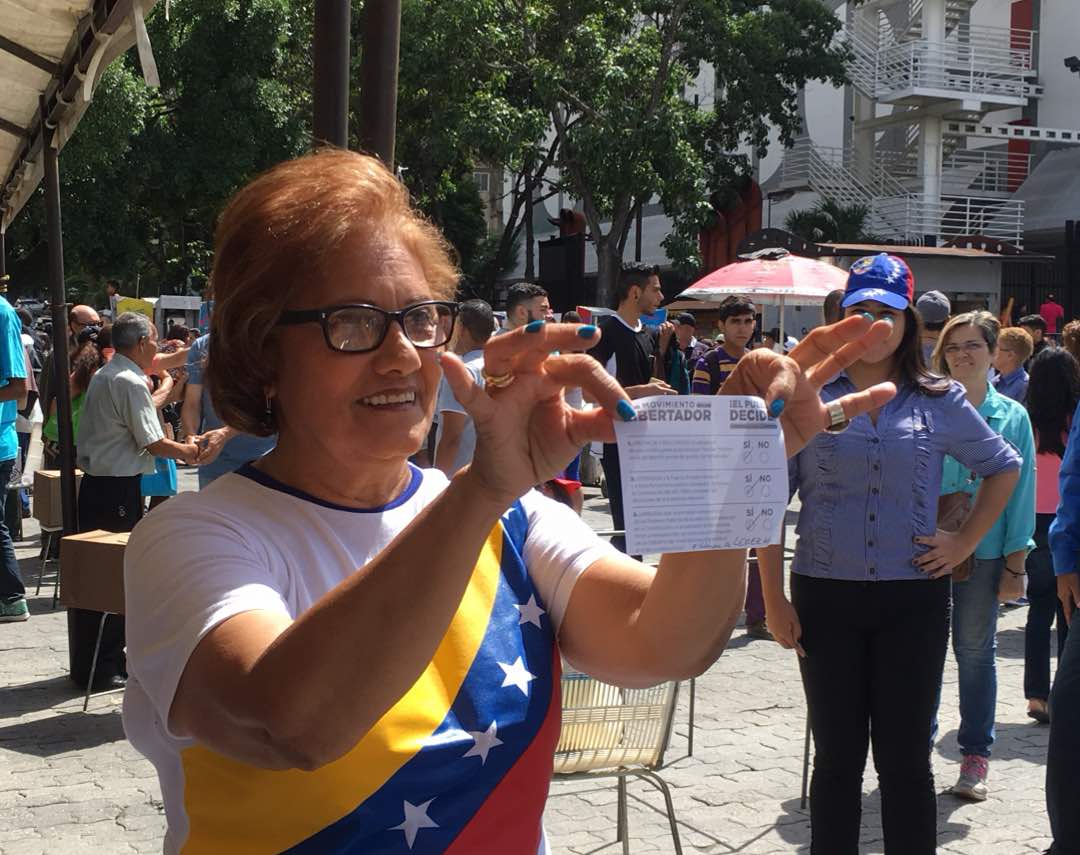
x=573, y=166
x=667, y=49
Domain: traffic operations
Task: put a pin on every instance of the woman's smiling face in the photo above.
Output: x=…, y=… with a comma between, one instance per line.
x=357, y=407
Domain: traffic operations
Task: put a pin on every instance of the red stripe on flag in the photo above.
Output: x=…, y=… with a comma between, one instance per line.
x=509, y=819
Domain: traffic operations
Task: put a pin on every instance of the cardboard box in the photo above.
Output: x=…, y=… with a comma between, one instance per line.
x=47, y=510
x=92, y=571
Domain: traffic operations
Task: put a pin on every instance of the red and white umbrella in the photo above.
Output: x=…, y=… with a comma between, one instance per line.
x=770, y=277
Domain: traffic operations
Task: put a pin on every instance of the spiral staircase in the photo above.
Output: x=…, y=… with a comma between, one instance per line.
x=924, y=79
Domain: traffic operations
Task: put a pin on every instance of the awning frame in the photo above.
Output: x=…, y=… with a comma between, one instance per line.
x=94, y=44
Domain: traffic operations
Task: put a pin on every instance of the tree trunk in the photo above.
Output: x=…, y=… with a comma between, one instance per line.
x=530, y=264
x=609, y=263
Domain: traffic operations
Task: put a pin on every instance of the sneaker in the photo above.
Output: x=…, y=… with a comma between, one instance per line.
x=972, y=782
x=14, y=611
x=759, y=631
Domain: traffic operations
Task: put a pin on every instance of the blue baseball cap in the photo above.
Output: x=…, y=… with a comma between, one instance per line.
x=884, y=278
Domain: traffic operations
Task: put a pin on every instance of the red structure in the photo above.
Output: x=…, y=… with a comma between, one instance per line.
x=719, y=242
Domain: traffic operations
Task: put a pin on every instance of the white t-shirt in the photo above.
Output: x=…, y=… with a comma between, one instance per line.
x=250, y=543
x=447, y=402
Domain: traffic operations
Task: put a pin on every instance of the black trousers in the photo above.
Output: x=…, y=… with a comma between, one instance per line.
x=613, y=480
x=1062, y=770
x=875, y=652
x=112, y=504
x=1044, y=606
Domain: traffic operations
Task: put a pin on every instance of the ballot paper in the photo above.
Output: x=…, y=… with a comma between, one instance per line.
x=728, y=448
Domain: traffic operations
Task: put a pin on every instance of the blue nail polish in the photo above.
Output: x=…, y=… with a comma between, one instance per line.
x=587, y=331
x=535, y=326
x=626, y=411
x=868, y=316
x=776, y=408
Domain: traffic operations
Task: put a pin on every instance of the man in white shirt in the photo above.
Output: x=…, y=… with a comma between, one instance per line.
x=119, y=436
x=456, y=438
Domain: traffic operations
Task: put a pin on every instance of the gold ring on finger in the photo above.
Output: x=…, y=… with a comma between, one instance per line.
x=497, y=381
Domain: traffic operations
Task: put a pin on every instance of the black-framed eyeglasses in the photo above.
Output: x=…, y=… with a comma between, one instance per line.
x=359, y=327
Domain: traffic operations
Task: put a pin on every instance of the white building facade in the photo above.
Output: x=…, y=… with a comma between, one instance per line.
x=953, y=105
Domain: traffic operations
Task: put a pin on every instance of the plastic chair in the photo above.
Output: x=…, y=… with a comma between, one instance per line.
x=613, y=732
x=693, y=680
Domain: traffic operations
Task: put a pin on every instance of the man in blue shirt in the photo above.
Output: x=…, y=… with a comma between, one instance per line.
x=225, y=449
x=12, y=398
x=1062, y=771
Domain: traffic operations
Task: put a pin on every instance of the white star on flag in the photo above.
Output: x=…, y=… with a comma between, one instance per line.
x=485, y=740
x=517, y=675
x=530, y=611
x=415, y=818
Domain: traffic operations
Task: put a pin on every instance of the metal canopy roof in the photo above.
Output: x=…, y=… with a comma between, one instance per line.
x=55, y=50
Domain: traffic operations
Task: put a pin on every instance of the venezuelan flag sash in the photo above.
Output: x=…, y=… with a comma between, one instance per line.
x=460, y=764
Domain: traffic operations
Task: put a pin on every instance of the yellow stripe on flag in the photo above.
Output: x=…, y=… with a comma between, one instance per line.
x=237, y=808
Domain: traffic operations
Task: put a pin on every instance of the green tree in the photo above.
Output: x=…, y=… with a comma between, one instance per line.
x=147, y=172
x=614, y=77
x=465, y=101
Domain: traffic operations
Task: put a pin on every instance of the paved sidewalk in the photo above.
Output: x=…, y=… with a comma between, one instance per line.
x=70, y=783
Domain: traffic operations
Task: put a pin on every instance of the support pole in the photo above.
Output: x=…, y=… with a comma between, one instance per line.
x=58, y=301
x=379, y=77
x=930, y=143
x=530, y=241
x=331, y=120
x=637, y=231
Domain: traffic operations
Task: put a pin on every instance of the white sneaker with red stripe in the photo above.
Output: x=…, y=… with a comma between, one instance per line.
x=971, y=784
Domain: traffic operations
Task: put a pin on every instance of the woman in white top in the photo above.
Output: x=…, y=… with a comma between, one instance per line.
x=358, y=655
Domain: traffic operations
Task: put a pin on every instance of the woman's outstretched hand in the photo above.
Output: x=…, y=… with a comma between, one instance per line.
x=525, y=431
x=796, y=379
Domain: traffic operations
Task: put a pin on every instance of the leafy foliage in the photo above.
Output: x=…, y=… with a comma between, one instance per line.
x=148, y=170
x=616, y=103
x=617, y=78
x=829, y=221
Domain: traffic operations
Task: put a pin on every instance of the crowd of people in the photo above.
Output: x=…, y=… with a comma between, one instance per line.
x=352, y=635
x=137, y=406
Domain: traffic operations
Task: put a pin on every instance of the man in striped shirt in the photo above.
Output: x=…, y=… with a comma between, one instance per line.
x=737, y=323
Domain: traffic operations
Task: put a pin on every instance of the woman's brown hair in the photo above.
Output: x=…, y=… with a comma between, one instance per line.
x=1070, y=338
x=273, y=239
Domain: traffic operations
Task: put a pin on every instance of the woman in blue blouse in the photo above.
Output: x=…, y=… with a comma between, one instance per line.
x=870, y=587
x=965, y=352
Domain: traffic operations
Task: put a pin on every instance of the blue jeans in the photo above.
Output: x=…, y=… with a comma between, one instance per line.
x=974, y=639
x=1062, y=769
x=11, y=584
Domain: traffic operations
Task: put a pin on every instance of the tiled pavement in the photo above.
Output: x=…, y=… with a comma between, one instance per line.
x=70, y=783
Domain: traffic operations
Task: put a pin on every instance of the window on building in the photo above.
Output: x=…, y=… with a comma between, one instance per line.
x=482, y=181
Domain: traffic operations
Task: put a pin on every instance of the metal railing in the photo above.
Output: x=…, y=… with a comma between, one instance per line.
x=972, y=60
x=986, y=171
x=989, y=170
x=828, y=172
x=956, y=216
x=955, y=68
x=895, y=211
x=807, y=164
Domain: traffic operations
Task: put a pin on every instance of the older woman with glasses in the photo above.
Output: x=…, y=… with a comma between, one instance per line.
x=357, y=655
x=965, y=351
